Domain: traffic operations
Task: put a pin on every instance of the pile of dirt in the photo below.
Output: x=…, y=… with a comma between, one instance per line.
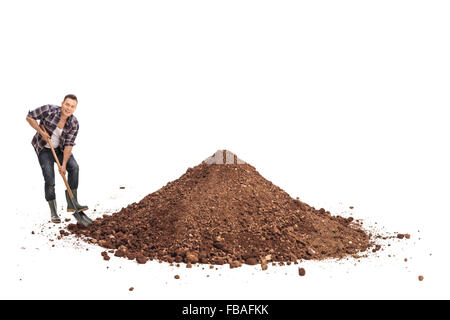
x=223, y=211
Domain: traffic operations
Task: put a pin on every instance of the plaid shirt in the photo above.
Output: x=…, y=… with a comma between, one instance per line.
x=49, y=115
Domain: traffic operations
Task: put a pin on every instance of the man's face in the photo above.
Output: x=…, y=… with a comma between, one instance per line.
x=68, y=107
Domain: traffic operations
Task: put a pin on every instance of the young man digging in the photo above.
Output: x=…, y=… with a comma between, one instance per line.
x=60, y=128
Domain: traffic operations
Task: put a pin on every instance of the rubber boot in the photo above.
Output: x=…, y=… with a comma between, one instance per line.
x=53, y=212
x=74, y=202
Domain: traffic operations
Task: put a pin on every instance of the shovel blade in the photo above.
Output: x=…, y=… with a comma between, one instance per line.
x=81, y=220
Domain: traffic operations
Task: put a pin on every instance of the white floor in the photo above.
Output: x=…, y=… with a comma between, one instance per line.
x=41, y=266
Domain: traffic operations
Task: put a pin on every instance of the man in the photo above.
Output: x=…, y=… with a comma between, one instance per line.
x=61, y=129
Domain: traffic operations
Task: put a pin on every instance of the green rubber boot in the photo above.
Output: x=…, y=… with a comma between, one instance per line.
x=53, y=212
x=74, y=202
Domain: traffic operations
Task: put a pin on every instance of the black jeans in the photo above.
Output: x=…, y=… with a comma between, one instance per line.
x=46, y=160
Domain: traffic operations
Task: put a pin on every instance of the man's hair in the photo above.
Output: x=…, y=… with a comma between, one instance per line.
x=71, y=96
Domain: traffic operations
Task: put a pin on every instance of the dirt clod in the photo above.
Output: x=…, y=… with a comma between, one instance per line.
x=301, y=272
x=191, y=257
x=63, y=233
x=377, y=248
x=251, y=261
x=141, y=259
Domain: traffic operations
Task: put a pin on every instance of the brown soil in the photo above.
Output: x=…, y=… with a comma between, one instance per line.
x=225, y=213
x=301, y=272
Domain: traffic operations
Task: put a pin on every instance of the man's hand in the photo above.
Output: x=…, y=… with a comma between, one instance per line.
x=62, y=170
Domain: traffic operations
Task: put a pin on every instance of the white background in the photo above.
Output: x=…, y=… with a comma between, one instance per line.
x=340, y=103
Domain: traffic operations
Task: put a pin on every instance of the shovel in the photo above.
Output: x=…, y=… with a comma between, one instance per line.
x=78, y=214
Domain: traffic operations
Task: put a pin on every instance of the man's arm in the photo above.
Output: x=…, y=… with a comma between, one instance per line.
x=34, y=124
x=68, y=145
x=39, y=114
x=67, y=153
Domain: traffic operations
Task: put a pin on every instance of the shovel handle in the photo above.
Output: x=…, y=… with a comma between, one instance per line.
x=59, y=165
